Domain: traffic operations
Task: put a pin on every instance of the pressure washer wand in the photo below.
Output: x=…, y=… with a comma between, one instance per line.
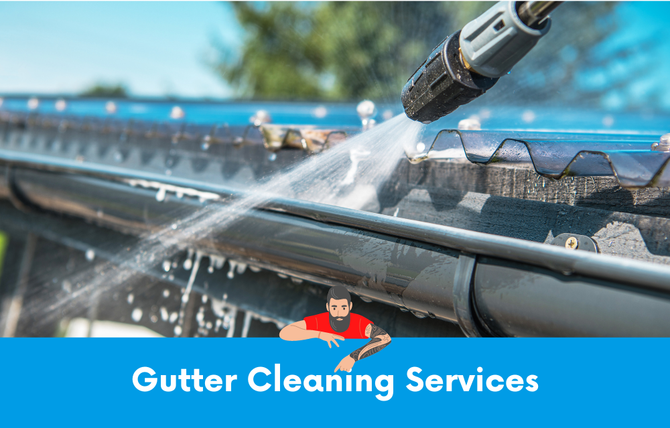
x=470, y=61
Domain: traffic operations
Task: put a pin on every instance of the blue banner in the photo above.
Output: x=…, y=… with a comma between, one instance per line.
x=270, y=382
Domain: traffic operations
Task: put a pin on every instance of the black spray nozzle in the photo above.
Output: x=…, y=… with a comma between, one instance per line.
x=442, y=84
x=469, y=62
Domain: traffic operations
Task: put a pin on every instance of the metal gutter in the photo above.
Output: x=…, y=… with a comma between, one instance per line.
x=433, y=270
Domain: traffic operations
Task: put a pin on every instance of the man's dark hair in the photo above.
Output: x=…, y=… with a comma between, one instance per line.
x=338, y=292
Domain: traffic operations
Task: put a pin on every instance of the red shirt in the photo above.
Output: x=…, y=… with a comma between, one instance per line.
x=356, y=330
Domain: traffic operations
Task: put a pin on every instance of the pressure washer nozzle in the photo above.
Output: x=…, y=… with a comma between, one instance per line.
x=469, y=62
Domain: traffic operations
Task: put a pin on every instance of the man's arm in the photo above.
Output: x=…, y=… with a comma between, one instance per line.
x=298, y=331
x=379, y=340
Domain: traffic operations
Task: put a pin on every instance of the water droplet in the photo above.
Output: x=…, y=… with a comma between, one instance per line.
x=168, y=172
x=110, y=107
x=177, y=330
x=177, y=113
x=204, y=298
x=188, y=264
x=296, y=280
x=136, y=315
x=231, y=271
x=173, y=317
x=174, y=226
x=528, y=116
x=365, y=299
x=272, y=157
x=166, y=268
x=419, y=314
x=90, y=255
x=164, y=313
x=255, y=269
x=210, y=269
x=33, y=103
x=131, y=298
x=320, y=112
x=154, y=318
x=67, y=286
x=61, y=105
x=160, y=195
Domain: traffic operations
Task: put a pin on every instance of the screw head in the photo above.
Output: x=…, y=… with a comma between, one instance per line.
x=572, y=243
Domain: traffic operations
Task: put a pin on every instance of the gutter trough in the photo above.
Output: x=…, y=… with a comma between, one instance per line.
x=490, y=285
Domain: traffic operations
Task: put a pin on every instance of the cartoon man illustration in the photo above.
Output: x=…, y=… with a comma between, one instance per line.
x=339, y=324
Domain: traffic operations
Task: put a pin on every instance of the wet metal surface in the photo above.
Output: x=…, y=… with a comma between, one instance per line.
x=628, y=157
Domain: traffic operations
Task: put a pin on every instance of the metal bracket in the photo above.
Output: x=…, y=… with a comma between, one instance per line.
x=16, y=196
x=572, y=241
x=463, y=301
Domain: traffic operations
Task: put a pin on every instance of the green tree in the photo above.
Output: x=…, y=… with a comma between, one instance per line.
x=104, y=90
x=356, y=50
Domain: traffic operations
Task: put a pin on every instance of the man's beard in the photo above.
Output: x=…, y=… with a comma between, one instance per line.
x=340, y=325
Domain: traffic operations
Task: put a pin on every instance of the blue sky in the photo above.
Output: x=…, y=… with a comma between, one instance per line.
x=154, y=48
x=159, y=48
